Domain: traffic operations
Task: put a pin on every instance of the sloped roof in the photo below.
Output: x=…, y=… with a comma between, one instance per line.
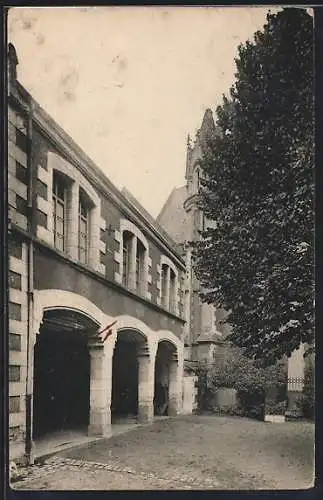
x=173, y=217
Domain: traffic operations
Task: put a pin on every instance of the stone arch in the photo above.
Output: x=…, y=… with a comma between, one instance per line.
x=127, y=225
x=133, y=361
x=176, y=368
x=100, y=353
x=56, y=162
x=63, y=299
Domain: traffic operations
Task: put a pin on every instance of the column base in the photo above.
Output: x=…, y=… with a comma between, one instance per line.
x=146, y=413
x=100, y=423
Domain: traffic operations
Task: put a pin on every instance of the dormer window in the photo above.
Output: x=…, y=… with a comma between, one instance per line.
x=83, y=244
x=59, y=211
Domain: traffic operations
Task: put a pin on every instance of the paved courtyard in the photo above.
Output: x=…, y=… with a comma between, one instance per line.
x=188, y=452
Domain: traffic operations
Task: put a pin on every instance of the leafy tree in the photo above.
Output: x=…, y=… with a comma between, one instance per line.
x=256, y=259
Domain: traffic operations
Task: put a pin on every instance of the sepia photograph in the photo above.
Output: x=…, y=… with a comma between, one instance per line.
x=161, y=248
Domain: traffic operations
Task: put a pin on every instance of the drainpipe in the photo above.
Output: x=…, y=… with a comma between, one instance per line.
x=30, y=295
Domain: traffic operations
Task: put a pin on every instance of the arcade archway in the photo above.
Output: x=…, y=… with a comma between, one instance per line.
x=131, y=346
x=166, y=374
x=61, y=393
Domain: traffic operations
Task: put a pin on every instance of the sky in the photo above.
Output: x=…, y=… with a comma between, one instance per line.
x=128, y=84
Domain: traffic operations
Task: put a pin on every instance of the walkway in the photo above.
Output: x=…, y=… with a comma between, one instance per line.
x=187, y=452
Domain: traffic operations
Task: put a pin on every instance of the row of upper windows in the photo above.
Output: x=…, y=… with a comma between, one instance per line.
x=74, y=231
x=134, y=252
x=135, y=272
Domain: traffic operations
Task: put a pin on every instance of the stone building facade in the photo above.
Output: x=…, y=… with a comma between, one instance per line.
x=83, y=257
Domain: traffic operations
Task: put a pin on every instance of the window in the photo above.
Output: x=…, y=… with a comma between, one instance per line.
x=14, y=342
x=140, y=255
x=196, y=180
x=126, y=257
x=164, y=294
x=133, y=258
x=14, y=373
x=83, y=242
x=169, y=286
x=14, y=280
x=172, y=291
x=59, y=211
x=14, y=404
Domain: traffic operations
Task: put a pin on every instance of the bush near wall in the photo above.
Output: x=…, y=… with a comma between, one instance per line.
x=306, y=401
x=251, y=382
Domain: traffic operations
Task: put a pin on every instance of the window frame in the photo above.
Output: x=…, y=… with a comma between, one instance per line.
x=83, y=218
x=62, y=202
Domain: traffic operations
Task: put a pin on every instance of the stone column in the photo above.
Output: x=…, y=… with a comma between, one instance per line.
x=174, y=392
x=296, y=368
x=100, y=391
x=146, y=383
x=132, y=263
x=72, y=240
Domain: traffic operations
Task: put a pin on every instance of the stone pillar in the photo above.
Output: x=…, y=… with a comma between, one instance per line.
x=296, y=369
x=100, y=391
x=146, y=383
x=72, y=241
x=174, y=392
x=132, y=263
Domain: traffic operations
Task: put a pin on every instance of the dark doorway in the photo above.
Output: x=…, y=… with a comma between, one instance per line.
x=162, y=364
x=61, y=397
x=124, y=402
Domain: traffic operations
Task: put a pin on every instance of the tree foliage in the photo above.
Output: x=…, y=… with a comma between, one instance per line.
x=256, y=259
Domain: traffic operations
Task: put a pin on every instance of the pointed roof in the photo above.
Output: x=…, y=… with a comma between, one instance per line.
x=206, y=131
x=173, y=217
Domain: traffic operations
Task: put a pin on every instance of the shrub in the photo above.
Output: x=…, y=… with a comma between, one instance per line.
x=251, y=381
x=278, y=408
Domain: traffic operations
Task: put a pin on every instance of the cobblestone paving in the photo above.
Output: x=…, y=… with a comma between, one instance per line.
x=135, y=480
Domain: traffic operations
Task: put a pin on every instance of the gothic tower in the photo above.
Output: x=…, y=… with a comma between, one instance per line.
x=182, y=219
x=204, y=333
